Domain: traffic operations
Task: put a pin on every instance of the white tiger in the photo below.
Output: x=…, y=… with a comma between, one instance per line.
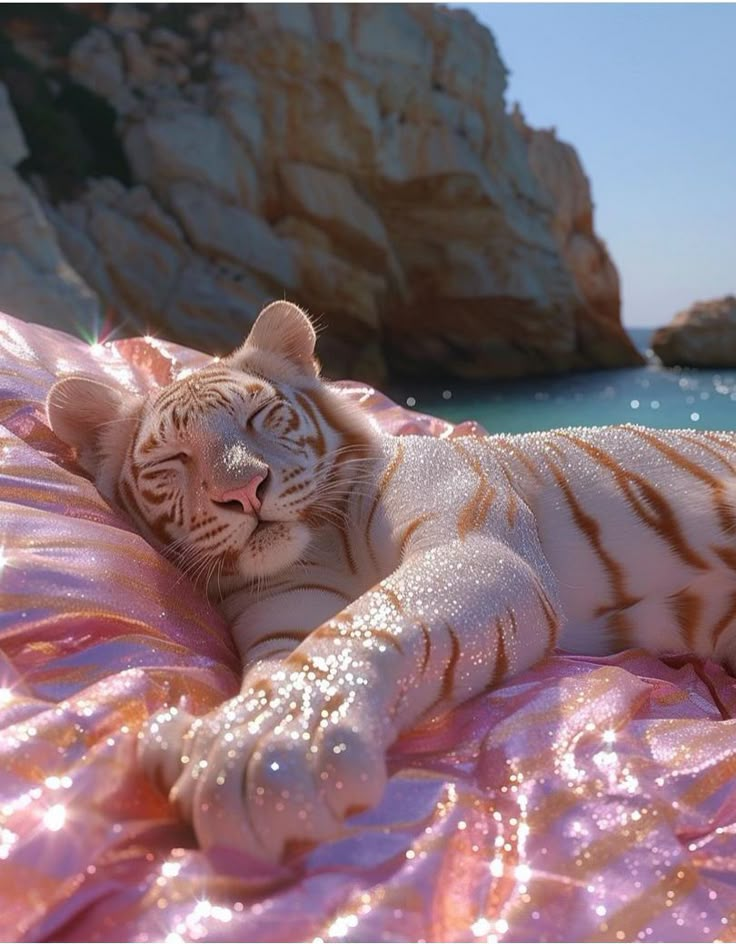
x=371, y=580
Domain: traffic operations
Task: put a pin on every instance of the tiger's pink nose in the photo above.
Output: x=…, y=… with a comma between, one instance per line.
x=245, y=495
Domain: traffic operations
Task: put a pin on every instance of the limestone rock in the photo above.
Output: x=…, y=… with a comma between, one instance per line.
x=183, y=145
x=331, y=202
x=36, y=281
x=124, y=17
x=12, y=143
x=95, y=62
x=232, y=233
x=358, y=158
x=137, y=257
x=558, y=169
x=703, y=335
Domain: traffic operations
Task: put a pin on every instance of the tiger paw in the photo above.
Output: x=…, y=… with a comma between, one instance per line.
x=273, y=767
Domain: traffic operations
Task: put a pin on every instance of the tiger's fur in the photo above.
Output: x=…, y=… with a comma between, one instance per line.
x=389, y=577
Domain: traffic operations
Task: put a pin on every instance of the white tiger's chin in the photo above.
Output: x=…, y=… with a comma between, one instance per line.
x=273, y=547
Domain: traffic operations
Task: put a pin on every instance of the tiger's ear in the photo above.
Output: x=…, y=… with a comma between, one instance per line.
x=280, y=344
x=81, y=409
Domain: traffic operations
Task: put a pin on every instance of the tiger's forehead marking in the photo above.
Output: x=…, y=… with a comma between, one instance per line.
x=200, y=390
x=193, y=384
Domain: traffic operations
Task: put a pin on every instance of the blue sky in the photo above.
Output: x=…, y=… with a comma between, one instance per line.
x=647, y=95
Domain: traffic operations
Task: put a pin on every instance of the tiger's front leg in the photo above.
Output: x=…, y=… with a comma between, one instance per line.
x=303, y=746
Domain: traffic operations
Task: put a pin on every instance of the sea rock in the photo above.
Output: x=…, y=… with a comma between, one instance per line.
x=557, y=167
x=703, y=335
x=359, y=159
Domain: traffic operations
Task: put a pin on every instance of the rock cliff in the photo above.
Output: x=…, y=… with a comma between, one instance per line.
x=190, y=162
x=703, y=335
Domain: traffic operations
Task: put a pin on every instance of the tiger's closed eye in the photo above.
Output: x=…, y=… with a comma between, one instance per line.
x=260, y=409
x=182, y=457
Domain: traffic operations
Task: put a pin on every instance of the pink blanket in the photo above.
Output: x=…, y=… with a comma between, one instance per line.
x=589, y=799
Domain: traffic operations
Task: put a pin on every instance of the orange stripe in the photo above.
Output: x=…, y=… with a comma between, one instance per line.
x=519, y=454
x=725, y=621
x=725, y=513
x=552, y=621
x=501, y=664
x=346, y=549
x=318, y=440
x=427, y=645
x=388, y=637
x=409, y=532
x=474, y=513
x=648, y=504
x=304, y=663
x=448, y=677
x=697, y=440
x=512, y=506
x=591, y=530
x=687, y=608
x=392, y=596
x=726, y=554
x=383, y=484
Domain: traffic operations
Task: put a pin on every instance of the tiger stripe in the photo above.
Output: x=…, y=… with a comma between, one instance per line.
x=725, y=554
x=591, y=530
x=501, y=663
x=473, y=514
x=392, y=597
x=699, y=442
x=448, y=676
x=387, y=637
x=512, y=499
x=527, y=461
x=724, y=511
x=317, y=440
x=383, y=484
x=410, y=531
x=347, y=550
x=302, y=662
x=725, y=621
x=651, y=508
x=553, y=623
x=687, y=608
x=427, y=639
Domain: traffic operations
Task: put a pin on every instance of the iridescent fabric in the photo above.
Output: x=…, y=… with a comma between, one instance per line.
x=589, y=799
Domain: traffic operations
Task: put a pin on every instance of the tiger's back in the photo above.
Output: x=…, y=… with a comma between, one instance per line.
x=639, y=528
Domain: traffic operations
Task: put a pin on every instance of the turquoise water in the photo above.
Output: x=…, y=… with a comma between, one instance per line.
x=651, y=395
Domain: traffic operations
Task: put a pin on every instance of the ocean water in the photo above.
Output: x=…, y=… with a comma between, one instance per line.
x=652, y=395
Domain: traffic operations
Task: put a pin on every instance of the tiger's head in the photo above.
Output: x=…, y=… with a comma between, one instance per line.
x=230, y=469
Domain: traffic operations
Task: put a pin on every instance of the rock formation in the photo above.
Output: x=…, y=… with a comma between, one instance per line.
x=358, y=159
x=35, y=278
x=703, y=335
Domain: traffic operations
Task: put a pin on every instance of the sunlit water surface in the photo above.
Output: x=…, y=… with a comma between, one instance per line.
x=651, y=395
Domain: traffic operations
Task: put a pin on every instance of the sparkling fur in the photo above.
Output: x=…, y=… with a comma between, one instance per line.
x=389, y=578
